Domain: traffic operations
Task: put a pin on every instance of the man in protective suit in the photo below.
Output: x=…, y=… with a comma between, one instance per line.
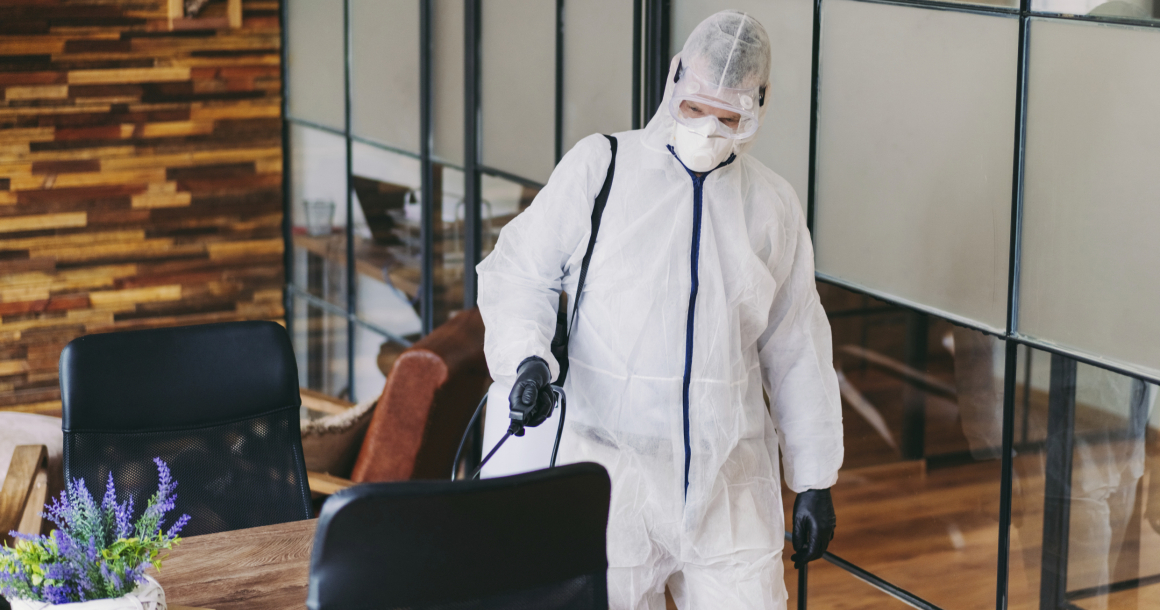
x=700, y=294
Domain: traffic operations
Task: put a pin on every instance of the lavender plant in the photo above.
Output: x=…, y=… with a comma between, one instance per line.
x=97, y=551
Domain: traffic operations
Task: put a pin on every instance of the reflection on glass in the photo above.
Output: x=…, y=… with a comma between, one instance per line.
x=503, y=200
x=320, y=347
x=918, y=495
x=833, y=587
x=374, y=355
x=1086, y=503
x=1143, y=10
x=388, y=239
x=318, y=212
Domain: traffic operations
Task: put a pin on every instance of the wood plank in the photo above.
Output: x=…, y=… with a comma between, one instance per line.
x=261, y=568
x=241, y=249
x=127, y=75
x=29, y=134
x=325, y=484
x=161, y=200
x=13, y=367
x=19, y=483
x=121, y=299
x=176, y=128
x=34, y=222
x=36, y=92
x=66, y=167
x=324, y=403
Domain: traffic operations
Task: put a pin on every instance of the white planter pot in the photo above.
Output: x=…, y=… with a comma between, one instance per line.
x=147, y=596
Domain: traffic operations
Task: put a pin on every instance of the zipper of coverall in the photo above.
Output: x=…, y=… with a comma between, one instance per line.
x=694, y=260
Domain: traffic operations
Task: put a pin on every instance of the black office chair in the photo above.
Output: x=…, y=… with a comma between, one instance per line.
x=219, y=403
x=534, y=540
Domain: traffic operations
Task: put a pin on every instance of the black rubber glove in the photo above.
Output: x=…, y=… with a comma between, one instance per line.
x=813, y=525
x=530, y=400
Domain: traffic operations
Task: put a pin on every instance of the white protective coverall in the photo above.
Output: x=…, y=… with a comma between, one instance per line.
x=700, y=292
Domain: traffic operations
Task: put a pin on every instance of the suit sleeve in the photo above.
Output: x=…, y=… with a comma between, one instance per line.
x=520, y=281
x=797, y=362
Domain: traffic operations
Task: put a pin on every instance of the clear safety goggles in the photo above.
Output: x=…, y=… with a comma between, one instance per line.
x=695, y=104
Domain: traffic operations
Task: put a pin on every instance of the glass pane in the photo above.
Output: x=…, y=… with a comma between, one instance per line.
x=314, y=38
x=1143, y=10
x=388, y=242
x=518, y=88
x=447, y=81
x=320, y=347
x=597, y=68
x=384, y=102
x=783, y=144
x=502, y=201
x=372, y=354
x=1086, y=504
x=318, y=212
x=1090, y=252
x=918, y=494
x=914, y=154
x=832, y=587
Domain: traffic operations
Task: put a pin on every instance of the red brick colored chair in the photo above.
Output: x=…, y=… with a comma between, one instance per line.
x=426, y=404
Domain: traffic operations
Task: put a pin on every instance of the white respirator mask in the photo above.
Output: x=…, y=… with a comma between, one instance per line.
x=700, y=152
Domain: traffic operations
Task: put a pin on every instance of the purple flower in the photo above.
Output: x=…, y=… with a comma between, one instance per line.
x=173, y=531
x=71, y=556
x=110, y=499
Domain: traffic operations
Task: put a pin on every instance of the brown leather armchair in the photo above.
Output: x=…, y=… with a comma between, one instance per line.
x=428, y=399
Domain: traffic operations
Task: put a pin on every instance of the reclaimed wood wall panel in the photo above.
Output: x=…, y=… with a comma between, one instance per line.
x=140, y=177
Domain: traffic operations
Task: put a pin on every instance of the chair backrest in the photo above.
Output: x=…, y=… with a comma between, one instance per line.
x=427, y=403
x=218, y=402
x=534, y=540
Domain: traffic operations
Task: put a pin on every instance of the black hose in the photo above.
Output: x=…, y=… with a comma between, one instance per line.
x=463, y=439
x=562, y=400
x=514, y=429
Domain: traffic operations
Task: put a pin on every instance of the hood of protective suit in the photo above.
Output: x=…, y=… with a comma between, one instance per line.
x=659, y=133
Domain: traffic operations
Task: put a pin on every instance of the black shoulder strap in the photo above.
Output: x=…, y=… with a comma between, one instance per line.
x=597, y=212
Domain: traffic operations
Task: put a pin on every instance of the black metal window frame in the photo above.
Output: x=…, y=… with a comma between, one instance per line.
x=651, y=53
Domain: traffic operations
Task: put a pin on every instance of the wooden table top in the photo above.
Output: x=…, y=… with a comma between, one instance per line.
x=261, y=568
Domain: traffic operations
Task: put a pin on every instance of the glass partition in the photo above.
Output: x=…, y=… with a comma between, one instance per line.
x=518, y=87
x=1089, y=207
x=447, y=81
x=597, y=68
x=384, y=103
x=1086, y=516
x=318, y=212
x=914, y=159
x=314, y=61
x=918, y=494
x=320, y=347
x=1133, y=10
x=833, y=587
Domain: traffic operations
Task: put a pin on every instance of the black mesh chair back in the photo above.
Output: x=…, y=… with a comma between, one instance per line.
x=534, y=540
x=219, y=403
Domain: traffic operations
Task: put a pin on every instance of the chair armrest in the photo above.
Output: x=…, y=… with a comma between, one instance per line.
x=23, y=494
x=325, y=484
